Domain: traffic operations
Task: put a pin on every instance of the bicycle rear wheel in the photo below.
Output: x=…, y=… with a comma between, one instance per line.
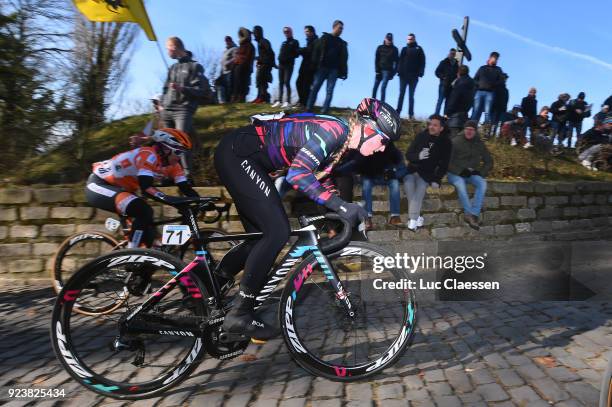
x=320, y=334
x=155, y=350
x=76, y=251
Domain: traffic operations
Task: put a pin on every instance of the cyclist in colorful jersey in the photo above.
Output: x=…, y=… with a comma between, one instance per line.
x=307, y=146
x=113, y=184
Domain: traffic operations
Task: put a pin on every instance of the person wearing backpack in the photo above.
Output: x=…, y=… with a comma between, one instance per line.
x=185, y=88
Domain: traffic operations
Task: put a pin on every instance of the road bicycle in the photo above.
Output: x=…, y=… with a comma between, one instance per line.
x=334, y=322
x=81, y=247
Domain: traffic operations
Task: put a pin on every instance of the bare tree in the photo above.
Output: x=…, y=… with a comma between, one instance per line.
x=210, y=59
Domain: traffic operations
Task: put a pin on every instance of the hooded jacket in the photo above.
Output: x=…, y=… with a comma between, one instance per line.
x=472, y=154
x=411, y=61
x=488, y=77
x=265, y=56
x=435, y=166
x=386, y=58
x=447, y=71
x=246, y=51
x=190, y=76
x=461, y=96
x=529, y=107
x=306, y=53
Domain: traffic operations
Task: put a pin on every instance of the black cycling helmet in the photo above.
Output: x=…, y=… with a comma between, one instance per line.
x=382, y=116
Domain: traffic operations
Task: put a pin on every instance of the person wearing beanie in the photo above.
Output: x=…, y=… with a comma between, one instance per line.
x=330, y=56
x=264, y=62
x=447, y=73
x=578, y=110
x=289, y=51
x=470, y=163
x=385, y=65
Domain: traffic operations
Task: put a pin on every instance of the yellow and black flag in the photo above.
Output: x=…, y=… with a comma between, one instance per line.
x=117, y=11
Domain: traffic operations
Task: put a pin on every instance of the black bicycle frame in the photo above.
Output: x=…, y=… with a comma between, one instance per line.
x=307, y=242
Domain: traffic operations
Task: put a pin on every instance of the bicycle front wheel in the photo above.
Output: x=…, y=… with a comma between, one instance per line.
x=318, y=330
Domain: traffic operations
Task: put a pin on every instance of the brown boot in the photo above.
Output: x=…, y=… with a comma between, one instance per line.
x=395, y=221
x=471, y=220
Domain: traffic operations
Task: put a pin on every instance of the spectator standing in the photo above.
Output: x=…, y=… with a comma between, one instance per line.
x=243, y=66
x=559, y=117
x=459, y=100
x=470, y=163
x=578, y=110
x=383, y=168
x=385, y=64
x=428, y=157
x=529, y=107
x=224, y=82
x=487, y=78
x=183, y=89
x=500, y=105
x=264, y=62
x=599, y=117
x=289, y=50
x=330, y=56
x=447, y=73
x=307, y=68
x=410, y=68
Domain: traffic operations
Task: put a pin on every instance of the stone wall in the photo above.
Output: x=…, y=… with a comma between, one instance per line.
x=34, y=221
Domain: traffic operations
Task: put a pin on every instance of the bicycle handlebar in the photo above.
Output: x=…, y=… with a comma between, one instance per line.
x=338, y=242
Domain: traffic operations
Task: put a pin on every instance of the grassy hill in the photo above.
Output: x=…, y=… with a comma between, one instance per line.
x=61, y=165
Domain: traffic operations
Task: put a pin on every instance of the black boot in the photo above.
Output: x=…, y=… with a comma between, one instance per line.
x=241, y=319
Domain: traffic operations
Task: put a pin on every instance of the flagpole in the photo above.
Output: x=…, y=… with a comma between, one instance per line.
x=161, y=53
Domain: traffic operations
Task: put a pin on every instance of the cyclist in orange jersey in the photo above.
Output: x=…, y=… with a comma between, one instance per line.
x=113, y=184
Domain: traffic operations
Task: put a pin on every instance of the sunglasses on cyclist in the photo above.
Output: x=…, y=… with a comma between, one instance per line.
x=174, y=151
x=376, y=131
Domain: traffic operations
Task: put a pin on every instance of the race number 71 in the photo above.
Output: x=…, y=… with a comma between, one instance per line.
x=175, y=234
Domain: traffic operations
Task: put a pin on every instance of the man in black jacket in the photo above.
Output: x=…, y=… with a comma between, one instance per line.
x=286, y=59
x=459, y=100
x=447, y=73
x=501, y=96
x=410, y=68
x=307, y=68
x=185, y=86
x=529, y=107
x=487, y=78
x=264, y=62
x=559, y=116
x=385, y=65
x=330, y=56
x=578, y=109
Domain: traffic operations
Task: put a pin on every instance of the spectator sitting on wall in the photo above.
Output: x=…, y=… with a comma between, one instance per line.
x=470, y=163
x=513, y=129
x=383, y=168
x=540, y=131
x=447, y=73
x=593, y=141
x=600, y=117
x=529, y=107
x=460, y=100
x=428, y=157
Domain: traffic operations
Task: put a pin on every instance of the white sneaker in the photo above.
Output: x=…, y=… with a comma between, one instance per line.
x=587, y=164
x=285, y=105
x=276, y=104
x=513, y=142
x=412, y=225
x=528, y=145
x=420, y=221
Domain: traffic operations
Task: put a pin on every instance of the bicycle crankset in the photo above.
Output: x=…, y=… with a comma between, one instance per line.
x=218, y=344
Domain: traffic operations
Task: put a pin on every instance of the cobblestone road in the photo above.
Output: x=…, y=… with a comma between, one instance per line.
x=464, y=353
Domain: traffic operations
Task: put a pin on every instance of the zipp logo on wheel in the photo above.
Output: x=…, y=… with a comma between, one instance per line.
x=136, y=258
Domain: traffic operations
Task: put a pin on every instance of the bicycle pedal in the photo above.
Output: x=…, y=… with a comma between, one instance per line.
x=228, y=337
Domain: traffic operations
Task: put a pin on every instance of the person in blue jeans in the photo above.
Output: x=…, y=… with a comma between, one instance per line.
x=329, y=56
x=488, y=78
x=383, y=168
x=410, y=68
x=447, y=72
x=470, y=163
x=385, y=64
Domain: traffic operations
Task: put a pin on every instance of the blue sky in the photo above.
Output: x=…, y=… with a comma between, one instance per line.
x=557, y=46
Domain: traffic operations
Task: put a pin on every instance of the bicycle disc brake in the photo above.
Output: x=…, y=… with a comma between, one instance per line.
x=215, y=347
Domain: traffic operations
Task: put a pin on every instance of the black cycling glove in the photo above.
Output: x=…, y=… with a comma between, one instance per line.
x=352, y=212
